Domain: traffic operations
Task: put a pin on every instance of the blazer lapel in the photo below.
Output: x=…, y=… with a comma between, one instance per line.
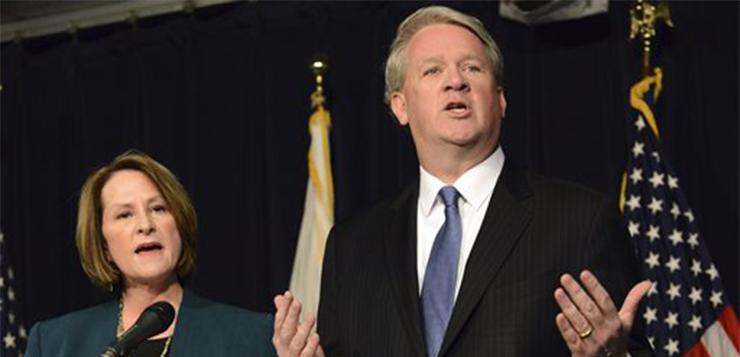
x=186, y=327
x=505, y=220
x=400, y=251
x=104, y=329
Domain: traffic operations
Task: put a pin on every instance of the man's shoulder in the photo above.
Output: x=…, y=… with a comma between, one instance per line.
x=550, y=190
x=379, y=214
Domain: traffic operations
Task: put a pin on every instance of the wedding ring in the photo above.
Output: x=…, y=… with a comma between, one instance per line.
x=586, y=333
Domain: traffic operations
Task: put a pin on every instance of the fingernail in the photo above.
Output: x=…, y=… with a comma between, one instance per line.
x=559, y=292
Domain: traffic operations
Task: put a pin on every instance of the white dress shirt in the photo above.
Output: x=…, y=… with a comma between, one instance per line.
x=475, y=187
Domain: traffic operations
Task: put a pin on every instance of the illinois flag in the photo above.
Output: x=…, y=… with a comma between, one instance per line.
x=686, y=311
x=318, y=212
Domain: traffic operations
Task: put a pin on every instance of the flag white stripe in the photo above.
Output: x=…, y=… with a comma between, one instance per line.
x=716, y=341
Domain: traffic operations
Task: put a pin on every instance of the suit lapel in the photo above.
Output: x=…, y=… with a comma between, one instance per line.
x=400, y=251
x=505, y=220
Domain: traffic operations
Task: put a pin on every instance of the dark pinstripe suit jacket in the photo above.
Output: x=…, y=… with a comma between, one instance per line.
x=535, y=229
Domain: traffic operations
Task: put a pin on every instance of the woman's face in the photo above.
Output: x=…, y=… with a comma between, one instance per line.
x=139, y=229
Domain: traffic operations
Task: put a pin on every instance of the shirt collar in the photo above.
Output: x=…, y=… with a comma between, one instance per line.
x=475, y=185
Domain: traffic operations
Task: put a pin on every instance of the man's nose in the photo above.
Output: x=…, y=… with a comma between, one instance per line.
x=454, y=80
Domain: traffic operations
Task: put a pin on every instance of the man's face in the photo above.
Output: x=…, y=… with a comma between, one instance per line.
x=449, y=98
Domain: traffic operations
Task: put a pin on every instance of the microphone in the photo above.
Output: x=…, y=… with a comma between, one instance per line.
x=155, y=319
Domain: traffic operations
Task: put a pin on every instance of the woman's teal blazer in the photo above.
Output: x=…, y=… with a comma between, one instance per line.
x=203, y=328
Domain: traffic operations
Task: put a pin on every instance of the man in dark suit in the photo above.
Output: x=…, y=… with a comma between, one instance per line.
x=466, y=261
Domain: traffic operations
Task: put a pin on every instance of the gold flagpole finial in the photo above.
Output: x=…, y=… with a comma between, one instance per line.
x=319, y=65
x=643, y=17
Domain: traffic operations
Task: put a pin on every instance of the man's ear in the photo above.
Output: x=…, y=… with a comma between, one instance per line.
x=398, y=106
x=502, y=101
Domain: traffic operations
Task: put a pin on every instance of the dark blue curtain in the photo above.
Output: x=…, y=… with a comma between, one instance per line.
x=222, y=98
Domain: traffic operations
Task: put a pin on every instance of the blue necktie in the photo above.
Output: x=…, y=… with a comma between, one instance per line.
x=438, y=291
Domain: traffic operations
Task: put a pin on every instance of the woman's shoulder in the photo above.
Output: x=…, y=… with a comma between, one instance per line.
x=206, y=326
x=225, y=314
x=82, y=330
x=87, y=318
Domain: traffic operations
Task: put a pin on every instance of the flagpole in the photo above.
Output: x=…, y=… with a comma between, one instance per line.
x=319, y=65
x=643, y=17
x=318, y=212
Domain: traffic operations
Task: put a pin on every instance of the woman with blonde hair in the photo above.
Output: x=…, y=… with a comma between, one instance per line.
x=136, y=237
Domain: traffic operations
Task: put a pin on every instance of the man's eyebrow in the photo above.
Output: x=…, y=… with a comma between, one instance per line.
x=438, y=59
x=472, y=56
x=433, y=59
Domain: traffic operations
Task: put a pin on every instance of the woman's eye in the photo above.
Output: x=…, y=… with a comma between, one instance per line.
x=472, y=68
x=159, y=208
x=123, y=215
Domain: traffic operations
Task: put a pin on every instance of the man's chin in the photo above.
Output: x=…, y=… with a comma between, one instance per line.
x=463, y=140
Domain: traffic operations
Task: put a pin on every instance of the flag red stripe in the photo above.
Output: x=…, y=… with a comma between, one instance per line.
x=697, y=351
x=728, y=319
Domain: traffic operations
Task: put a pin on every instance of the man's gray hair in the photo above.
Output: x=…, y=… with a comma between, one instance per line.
x=395, y=70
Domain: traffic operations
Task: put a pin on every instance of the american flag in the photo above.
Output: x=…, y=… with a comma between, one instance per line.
x=686, y=311
x=12, y=332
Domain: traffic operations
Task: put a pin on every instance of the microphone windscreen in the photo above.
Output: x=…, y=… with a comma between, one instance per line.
x=164, y=311
x=154, y=320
